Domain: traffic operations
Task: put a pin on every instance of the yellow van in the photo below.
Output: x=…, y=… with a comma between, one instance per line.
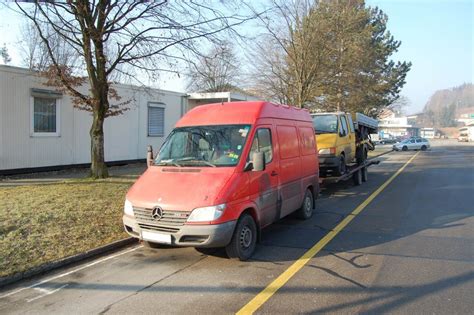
x=340, y=141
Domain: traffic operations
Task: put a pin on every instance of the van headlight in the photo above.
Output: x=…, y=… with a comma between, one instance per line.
x=328, y=151
x=128, y=208
x=207, y=213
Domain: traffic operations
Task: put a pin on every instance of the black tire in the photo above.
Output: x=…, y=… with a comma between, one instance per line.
x=405, y=148
x=244, y=240
x=423, y=148
x=306, y=210
x=365, y=174
x=341, y=169
x=153, y=245
x=362, y=155
x=357, y=177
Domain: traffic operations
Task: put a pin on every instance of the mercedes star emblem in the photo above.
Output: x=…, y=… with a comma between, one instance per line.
x=157, y=213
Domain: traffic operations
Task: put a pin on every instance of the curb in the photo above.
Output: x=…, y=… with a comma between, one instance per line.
x=35, y=271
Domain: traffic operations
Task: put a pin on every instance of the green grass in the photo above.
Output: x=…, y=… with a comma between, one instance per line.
x=43, y=223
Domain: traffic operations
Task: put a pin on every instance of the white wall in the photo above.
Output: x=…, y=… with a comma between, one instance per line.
x=125, y=136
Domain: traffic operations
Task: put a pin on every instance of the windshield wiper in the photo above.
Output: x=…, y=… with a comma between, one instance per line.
x=194, y=160
x=168, y=163
x=323, y=131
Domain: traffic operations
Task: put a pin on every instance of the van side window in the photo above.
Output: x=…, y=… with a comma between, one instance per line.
x=344, y=128
x=262, y=142
x=351, y=124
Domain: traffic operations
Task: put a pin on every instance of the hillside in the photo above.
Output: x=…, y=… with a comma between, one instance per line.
x=444, y=105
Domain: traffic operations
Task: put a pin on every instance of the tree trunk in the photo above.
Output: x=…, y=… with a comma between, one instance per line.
x=98, y=166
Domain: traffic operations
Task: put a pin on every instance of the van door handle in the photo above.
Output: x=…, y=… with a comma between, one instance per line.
x=274, y=173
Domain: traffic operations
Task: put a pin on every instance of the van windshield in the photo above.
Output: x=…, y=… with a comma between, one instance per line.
x=325, y=123
x=199, y=146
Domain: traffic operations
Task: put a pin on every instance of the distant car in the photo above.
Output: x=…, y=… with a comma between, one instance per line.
x=414, y=143
x=387, y=141
x=463, y=138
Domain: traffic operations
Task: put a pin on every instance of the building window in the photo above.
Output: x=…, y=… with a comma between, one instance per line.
x=44, y=116
x=156, y=119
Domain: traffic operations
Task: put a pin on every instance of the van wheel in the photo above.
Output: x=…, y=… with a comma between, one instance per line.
x=341, y=170
x=405, y=148
x=357, y=177
x=365, y=174
x=306, y=210
x=244, y=239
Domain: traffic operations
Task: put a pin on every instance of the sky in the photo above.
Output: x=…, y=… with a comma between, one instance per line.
x=437, y=37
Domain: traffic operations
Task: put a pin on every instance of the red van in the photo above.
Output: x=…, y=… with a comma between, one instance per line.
x=225, y=172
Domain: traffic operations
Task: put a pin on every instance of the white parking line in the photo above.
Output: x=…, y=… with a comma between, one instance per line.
x=46, y=293
x=70, y=272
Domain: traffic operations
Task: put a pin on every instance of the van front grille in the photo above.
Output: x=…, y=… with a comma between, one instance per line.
x=158, y=228
x=170, y=220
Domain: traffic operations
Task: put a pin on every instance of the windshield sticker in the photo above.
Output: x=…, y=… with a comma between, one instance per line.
x=243, y=132
x=233, y=155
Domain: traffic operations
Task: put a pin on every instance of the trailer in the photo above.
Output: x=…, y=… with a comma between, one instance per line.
x=358, y=173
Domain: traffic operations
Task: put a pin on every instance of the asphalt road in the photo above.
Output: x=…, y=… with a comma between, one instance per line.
x=411, y=250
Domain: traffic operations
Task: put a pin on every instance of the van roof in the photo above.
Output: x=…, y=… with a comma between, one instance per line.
x=240, y=113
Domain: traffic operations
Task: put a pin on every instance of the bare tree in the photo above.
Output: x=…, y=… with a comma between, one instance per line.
x=5, y=55
x=286, y=63
x=329, y=55
x=34, y=52
x=217, y=71
x=124, y=38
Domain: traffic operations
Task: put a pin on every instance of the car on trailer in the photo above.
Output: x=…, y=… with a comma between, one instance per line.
x=343, y=143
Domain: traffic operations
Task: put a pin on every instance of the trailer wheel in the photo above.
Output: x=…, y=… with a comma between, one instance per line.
x=357, y=177
x=361, y=154
x=306, y=210
x=365, y=174
x=244, y=240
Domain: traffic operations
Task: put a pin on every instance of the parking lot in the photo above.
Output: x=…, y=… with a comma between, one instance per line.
x=409, y=250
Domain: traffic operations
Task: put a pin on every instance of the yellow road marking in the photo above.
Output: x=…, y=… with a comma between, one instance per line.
x=279, y=282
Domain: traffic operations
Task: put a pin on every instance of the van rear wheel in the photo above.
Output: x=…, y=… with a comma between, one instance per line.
x=306, y=210
x=244, y=240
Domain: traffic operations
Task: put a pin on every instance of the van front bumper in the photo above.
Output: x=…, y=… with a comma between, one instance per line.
x=212, y=235
x=328, y=161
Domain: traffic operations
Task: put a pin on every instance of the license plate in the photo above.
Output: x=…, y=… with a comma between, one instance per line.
x=156, y=237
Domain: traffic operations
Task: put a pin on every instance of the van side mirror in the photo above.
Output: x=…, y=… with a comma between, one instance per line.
x=149, y=156
x=258, y=161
